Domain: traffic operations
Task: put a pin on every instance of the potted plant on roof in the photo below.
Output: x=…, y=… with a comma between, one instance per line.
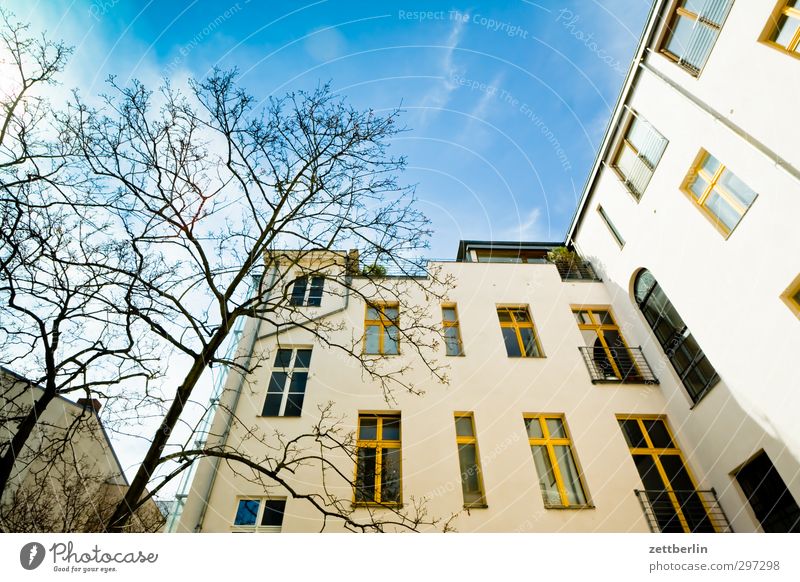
x=567, y=261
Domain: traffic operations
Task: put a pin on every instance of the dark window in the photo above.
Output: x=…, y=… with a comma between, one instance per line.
x=273, y=512
x=767, y=494
x=304, y=294
x=378, y=459
x=695, y=371
x=287, y=384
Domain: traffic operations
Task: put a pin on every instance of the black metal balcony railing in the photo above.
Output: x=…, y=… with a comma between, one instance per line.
x=617, y=365
x=577, y=272
x=683, y=511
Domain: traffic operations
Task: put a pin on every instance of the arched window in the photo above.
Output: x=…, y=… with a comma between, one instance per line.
x=689, y=361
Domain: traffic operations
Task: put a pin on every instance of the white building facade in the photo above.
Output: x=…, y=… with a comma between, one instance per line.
x=653, y=390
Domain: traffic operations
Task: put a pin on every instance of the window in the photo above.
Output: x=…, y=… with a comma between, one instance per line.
x=287, y=384
x=774, y=506
x=638, y=154
x=259, y=515
x=378, y=459
x=692, y=31
x=609, y=356
x=783, y=29
x=690, y=363
x=721, y=196
x=792, y=296
x=471, y=476
x=670, y=490
x=559, y=478
x=518, y=332
x=304, y=294
x=380, y=329
x=452, y=331
x=610, y=225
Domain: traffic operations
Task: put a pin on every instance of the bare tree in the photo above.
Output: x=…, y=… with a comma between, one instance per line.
x=213, y=189
x=61, y=324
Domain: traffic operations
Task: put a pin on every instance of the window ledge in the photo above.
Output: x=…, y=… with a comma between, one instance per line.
x=469, y=506
x=568, y=507
x=375, y=505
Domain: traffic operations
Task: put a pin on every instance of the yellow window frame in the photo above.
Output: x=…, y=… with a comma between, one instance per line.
x=790, y=296
x=517, y=325
x=472, y=440
x=379, y=443
x=549, y=442
x=772, y=29
x=713, y=187
x=453, y=324
x=381, y=323
x=598, y=327
x=655, y=453
x=625, y=142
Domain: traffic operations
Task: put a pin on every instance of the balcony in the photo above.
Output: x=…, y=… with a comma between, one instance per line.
x=582, y=271
x=683, y=511
x=617, y=365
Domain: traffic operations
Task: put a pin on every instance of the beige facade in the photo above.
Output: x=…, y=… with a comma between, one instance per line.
x=728, y=273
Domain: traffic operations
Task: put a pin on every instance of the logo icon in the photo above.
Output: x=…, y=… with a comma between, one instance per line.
x=31, y=555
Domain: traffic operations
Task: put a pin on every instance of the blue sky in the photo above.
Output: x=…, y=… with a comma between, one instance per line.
x=506, y=103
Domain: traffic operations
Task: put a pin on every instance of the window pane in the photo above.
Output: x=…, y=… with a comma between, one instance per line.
x=272, y=404
x=503, y=315
x=390, y=475
x=390, y=337
x=556, y=428
x=786, y=29
x=390, y=313
x=464, y=426
x=470, y=480
x=246, y=512
x=680, y=35
x=368, y=428
x=449, y=313
x=737, y=188
x=315, y=294
x=273, y=512
x=372, y=345
x=521, y=315
x=283, y=358
x=547, y=478
x=769, y=497
x=298, y=291
x=365, y=474
x=720, y=208
x=303, y=359
x=698, y=186
x=294, y=404
x=633, y=434
x=512, y=345
x=710, y=164
x=372, y=313
x=391, y=429
x=569, y=475
x=644, y=282
x=451, y=341
x=534, y=428
x=658, y=433
x=529, y=341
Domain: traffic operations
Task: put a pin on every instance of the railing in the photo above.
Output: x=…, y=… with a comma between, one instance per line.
x=687, y=511
x=580, y=272
x=617, y=365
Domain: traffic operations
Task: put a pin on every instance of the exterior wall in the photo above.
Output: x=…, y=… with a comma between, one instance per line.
x=496, y=388
x=727, y=291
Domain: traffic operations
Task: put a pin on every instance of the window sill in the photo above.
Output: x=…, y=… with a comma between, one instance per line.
x=527, y=357
x=375, y=505
x=469, y=506
x=569, y=507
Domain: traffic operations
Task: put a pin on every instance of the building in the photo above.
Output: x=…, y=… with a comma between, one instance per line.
x=68, y=478
x=650, y=389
